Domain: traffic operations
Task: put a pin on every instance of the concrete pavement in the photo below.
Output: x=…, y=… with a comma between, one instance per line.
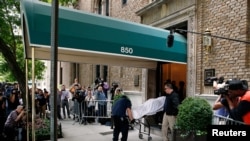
x=73, y=131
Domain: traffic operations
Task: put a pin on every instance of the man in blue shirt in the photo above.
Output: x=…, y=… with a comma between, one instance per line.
x=121, y=114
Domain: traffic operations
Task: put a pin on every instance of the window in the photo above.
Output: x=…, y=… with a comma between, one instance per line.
x=124, y=2
x=105, y=72
x=100, y=7
x=101, y=72
x=97, y=69
x=107, y=7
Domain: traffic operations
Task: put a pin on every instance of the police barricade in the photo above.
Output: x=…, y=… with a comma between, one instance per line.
x=221, y=120
x=92, y=111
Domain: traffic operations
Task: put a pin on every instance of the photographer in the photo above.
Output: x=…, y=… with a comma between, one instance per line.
x=12, y=122
x=13, y=100
x=240, y=111
x=219, y=84
x=221, y=104
x=2, y=112
x=221, y=109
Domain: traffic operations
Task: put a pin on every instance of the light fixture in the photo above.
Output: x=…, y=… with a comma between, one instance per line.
x=207, y=41
x=170, y=39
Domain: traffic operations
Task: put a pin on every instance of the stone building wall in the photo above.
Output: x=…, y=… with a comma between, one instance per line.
x=227, y=19
x=128, y=10
x=125, y=76
x=86, y=5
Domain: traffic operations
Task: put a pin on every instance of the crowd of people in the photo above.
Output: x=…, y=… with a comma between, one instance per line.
x=12, y=112
x=235, y=104
x=12, y=108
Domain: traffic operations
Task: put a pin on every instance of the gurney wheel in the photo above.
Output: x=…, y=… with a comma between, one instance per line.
x=149, y=138
x=140, y=136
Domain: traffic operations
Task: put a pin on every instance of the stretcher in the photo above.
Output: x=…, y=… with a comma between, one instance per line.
x=142, y=112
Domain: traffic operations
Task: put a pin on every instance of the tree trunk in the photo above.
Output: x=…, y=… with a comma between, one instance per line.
x=14, y=67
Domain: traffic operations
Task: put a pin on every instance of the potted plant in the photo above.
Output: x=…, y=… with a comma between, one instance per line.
x=42, y=129
x=194, y=115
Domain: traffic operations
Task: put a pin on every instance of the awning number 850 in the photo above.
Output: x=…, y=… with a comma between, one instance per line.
x=126, y=50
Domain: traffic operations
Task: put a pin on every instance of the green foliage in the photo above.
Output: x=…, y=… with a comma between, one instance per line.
x=194, y=115
x=64, y=2
x=6, y=72
x=42, y=131
x=10, y=23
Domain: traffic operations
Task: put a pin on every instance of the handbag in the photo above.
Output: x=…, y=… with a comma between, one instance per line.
x=96, y=106
x=91, y=103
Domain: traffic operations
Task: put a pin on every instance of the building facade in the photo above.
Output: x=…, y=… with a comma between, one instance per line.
x=226, y=55
x=130, y=79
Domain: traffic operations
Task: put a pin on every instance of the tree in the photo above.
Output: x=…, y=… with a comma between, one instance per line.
x=11, y=46
x=65, y=2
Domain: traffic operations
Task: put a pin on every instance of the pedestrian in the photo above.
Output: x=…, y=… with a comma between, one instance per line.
x=102, y=104
x=65, y=101
x=58, y=101
x=170, y=111
x=122, y=115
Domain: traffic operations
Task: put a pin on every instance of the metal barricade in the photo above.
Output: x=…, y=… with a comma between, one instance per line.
x=221, y=120
x=93, y=111
x=76, y=110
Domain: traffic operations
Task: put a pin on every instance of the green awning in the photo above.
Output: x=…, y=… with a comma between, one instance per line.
x=92, y=38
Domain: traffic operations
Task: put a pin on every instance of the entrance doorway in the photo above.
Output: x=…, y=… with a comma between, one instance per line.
x=173, y=72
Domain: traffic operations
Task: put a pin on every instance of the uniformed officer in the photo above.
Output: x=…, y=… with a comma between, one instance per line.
x=122, y=114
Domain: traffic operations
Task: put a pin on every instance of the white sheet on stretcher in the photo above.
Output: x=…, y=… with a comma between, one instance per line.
x=149, y=107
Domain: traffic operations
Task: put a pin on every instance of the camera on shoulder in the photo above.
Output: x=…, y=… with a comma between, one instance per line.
x=242, y=84
x=223, y=90
x=209, y=81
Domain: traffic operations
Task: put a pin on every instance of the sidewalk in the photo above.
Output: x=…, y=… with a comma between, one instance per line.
x=97, y=132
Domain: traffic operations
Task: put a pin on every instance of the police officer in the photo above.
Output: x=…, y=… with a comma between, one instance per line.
x=122, y=114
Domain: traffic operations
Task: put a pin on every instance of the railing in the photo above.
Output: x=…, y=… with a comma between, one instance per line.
x=221, y=120
x=90, y=111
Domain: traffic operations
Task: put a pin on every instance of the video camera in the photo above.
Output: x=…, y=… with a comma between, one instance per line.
x=209, y=81
x=225, y=88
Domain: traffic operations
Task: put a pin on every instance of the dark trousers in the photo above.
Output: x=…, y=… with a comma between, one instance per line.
x=121, y=126
x=10, y=133
x=65, y=104
x=90, y=112
x=2, y=121
x=59, y=116
x=102, y=112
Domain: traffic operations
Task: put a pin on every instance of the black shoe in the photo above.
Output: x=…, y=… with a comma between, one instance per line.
x=69, y=117
x=83, y=122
